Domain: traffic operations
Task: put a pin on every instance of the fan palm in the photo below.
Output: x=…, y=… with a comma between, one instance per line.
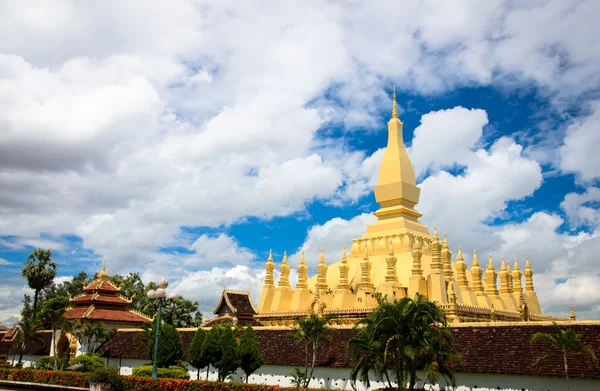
x=39, y=271
x=567, y=343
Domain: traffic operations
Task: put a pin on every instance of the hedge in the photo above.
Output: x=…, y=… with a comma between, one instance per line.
x=173, y=372
x=73, y=379
x=133, y=383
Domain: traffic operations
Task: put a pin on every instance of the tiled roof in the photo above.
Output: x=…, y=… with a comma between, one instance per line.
x=38, y=348
x=238, y=304
x=3, y=328
x=99, y=299
x=115, y=315
x=484, y=349
x=102, y=285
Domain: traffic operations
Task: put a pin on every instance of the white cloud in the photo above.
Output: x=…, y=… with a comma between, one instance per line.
x=4, y=262
x=579, y=153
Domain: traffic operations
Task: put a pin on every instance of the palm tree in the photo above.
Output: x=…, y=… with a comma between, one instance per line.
x=26, y=334
x=567, y=343
x=39, y=271
x=310, y=331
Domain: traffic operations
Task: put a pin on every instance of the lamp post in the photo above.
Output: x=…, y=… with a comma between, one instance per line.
x=159, y=296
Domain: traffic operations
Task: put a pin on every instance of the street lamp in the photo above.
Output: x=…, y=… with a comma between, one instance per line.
x=159, y=296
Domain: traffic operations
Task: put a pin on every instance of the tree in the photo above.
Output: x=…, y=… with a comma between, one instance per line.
x=566, y=344
x=52, y=315
x=181, y=313
x=169, y=346
x=401, y=337
x=249, y=352
x=39, y=271
x=93, y=335
x=211, y=349
x=229, y=361
x=27, y=332
x=69, y=288
x=197, y=360
x=309, y=332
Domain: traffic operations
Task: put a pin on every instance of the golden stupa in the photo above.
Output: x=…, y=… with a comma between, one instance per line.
x=398, y=257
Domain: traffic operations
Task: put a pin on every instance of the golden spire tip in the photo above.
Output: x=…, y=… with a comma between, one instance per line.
x=394, y=108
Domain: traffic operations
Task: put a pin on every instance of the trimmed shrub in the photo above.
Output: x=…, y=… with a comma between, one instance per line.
x=45, y=362
x=173, y=372
x=106, y=375
x=249, y=352
x=89, y=362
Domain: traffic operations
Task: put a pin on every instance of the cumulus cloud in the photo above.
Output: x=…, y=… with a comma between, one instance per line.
x=579, y=152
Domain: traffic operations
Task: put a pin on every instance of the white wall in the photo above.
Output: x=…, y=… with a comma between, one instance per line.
x=338, y=378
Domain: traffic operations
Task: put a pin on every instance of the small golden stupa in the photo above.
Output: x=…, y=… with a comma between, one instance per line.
x=398, y=257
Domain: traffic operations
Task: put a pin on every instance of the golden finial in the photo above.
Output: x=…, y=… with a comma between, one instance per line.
x=475, y=259
x=103, y=274
x=516, y=266
x=572, y=312
x=503, y=266
x=445, y=238
x=490, y=265
x=270, y=259
x=391, y=251
x=459, y=256
x=394, y=109
x=302, y=260
x=322, y=259
x=285, y=258
x=527, y=264
x=435, y=233
x=344, y=255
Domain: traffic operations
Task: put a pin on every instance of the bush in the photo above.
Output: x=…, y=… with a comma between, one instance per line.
x=89, y=362
x=173, y=372
x=107, y=375
x=45, y=362
x=72, y=379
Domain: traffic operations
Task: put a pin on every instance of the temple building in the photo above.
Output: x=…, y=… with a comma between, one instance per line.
x=396, y=257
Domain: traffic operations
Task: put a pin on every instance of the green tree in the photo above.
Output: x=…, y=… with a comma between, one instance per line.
x=197, y=360
x=249, y=352
x=93, y=335
x=567, y=344
x=181, y=313
x=229, y=361
x=169, y=346
x=27, y=310
x=39, y=271
x=52, y=315
x=310, y=332
x=27, y=333
x=70, y=288
x=401, y=337
x=211, y=349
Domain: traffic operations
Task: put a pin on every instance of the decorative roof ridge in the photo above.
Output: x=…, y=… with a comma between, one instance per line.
x=89, y=311
x=236, y=291
x=140, y=313
x=226, y=295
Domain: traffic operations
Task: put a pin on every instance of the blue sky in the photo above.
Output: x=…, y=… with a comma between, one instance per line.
x=188, y=150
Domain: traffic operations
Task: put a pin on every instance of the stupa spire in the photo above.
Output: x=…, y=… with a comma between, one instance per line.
x=343, y=283
x=103, y=275
x=394, y=109
x=270, y=266
x=461, y=270
x=322, y=273
x=490, y=279
x=284, y=278
x=365, y=276
x=528, y=276
x=447, y=259
x=302, y=269
x=476, y=272
x=396, y=191
x=417, y=253
x=572, y=312
x=516, y=277
x=504, y=278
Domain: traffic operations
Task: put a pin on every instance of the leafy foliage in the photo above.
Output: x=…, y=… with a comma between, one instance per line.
x=310, y=332
x=195, y=356
x=27, y=333
x=249, y=352
x=107, y=375
x=567, y=345
x=229, y=361
x=52, y=317
x=169, y=346
x=173, y=372
x=401, y=337
x=39, y=271
x=89, y=362
x=71, y=379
